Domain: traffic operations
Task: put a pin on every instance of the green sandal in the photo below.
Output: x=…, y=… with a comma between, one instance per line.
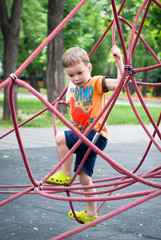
x=59, y=179
x=82, y=217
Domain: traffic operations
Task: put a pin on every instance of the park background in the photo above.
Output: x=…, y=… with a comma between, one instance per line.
x=24, y=26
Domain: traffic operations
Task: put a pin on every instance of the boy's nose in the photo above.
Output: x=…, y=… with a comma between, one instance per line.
x=76, y=79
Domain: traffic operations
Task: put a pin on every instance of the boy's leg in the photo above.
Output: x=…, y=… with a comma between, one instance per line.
x=63, y=150
x=91, y=206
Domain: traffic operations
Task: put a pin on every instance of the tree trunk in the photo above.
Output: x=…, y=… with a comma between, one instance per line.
x=157, y=91
x=10, y=30
x=54, y=73
x=33, y=80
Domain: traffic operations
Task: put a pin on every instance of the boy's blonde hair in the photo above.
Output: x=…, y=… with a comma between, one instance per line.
x=73, y=56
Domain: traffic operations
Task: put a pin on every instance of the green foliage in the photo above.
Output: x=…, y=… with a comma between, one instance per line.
x=33, y=33
x=77, y=32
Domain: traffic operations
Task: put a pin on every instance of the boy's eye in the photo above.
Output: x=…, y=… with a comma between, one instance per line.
x=70, y=75
x=80, y=73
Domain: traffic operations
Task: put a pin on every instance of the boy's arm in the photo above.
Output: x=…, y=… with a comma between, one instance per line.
x=111, y=84
x=68, y=93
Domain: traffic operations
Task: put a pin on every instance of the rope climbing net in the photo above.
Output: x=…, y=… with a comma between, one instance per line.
x=111, y=185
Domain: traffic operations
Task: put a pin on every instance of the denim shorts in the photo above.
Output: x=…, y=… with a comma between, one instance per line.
x=89, y=163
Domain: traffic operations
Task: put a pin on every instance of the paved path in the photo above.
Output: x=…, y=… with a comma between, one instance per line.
x=35, y=217
x=44, y=137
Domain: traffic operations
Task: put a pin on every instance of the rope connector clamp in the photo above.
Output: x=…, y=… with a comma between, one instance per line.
x=39, y=184
x=130, y=69
x=14, y=77
x=59, y=100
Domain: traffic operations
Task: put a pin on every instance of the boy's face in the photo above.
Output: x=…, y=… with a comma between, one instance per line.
x=79, y=74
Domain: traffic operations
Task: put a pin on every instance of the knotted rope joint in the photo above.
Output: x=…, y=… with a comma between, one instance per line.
x=130, y=69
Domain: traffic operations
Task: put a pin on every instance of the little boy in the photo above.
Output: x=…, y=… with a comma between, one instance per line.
x=86, y=96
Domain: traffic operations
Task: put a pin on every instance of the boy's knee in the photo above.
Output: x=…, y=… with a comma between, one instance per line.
x=84, y=178
x=60, y=138
x=80, y=177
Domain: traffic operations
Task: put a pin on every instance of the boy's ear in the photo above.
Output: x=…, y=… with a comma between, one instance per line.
x=90, y=67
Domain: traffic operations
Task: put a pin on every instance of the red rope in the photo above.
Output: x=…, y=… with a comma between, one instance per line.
x=106, y=31
x=140, y=27
x=14, y=120
x=127, y=178
x=130, y=49
x=107, y=216
x=143, y=41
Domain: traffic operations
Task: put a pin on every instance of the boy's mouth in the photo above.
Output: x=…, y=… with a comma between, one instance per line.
x=78, y=84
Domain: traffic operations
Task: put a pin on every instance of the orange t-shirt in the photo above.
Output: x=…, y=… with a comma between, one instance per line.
x=86, y=103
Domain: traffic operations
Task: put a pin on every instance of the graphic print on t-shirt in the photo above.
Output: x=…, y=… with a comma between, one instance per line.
x=82, y=107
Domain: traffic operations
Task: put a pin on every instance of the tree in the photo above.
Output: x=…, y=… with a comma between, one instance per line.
x=33, y=32
x=10, y=26
x=54, y=73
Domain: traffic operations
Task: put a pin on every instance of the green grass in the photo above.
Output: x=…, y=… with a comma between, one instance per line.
x=121, y=114
x=28, y=108
x=23, y=90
